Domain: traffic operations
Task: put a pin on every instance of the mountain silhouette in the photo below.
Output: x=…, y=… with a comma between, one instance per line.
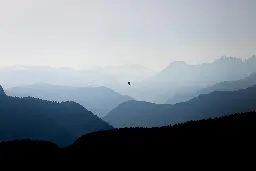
x=99, y=100
x=222, y=86
x=33, y=118
x=215, y=104
x=151, y=135
x=206, y=138
x=210, y=136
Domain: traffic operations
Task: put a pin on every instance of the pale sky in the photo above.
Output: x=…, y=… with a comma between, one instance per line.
x=152, y=33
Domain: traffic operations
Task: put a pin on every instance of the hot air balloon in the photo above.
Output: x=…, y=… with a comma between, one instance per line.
x=129, y=83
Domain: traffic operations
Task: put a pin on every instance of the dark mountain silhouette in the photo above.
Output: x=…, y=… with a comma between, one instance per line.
x=33, y=118
x=31, y=149
x=177, y=133
x=215, y=104
x=223, y=86
x=228, y=135
x=99, y=100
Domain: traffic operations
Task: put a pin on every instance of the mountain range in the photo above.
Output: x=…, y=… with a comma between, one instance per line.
x=222, y=86
x=222, y=69
x=33, y=118
x=179, y=78
x=215, y=104
x=99, y=100
x=63, y=113
x=226, y=80
x=146, y=84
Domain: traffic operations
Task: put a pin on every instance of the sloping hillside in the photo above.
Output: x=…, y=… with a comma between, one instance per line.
x=33, y=118
x=135, y=113
x=99, y=100
x=210, y=131
x=229, y=135
x=222, y=86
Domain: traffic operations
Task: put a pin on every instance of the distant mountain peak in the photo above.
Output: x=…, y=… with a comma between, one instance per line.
x=2, y=93
x=252, y=58
x=227, y=58
x=175, y=64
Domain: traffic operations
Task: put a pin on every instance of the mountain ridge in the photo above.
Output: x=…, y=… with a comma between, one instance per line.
x=202, y=107
x=222, y=86
x=34, y=118
x=222, y=133
x=100, y=100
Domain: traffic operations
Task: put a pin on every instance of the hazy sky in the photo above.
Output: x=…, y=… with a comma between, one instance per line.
x=153, y=33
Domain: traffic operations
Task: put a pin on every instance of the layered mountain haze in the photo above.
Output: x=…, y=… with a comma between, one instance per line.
x=146, y=84
x=99, y=100
x=222, y=86
x=215, y=104
x=222, y=69
x=107, y=76
x=231, y=85
x=179, y=79
x=76, y=75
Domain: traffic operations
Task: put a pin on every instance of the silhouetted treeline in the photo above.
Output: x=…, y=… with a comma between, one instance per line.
x=211, y=131
x=234, y=133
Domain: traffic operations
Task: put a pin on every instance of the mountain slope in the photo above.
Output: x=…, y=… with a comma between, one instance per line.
x=223, y=86
x=221, y=126
x=2, y=93
x=231, y=85
x=222, y=69
x=135, y=113
x=61, y=123
x=99, y=100
x=178, y=77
